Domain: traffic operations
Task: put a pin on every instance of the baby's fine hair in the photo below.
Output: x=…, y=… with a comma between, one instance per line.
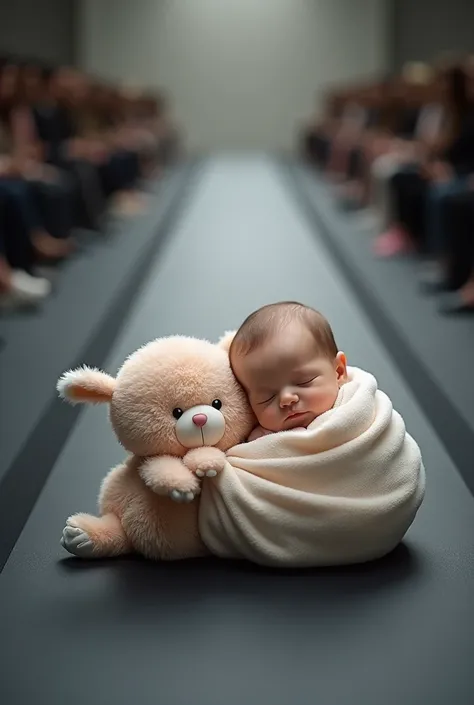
x=273, y=318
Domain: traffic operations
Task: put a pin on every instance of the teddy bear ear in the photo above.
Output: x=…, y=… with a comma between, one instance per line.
x=226, y=341
x=86, y=385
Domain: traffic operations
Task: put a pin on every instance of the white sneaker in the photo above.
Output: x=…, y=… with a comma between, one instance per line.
x=25, y=290
x=39, y=286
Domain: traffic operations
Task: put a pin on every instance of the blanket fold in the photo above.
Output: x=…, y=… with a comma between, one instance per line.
x=345, y=490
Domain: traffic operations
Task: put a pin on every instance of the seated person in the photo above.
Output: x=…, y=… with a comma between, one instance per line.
x=24, y=174
x=418, y=191
x=99, y=126
x=406, y=151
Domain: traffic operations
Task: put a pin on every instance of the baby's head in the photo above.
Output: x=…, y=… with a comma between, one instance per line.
x=286, y=358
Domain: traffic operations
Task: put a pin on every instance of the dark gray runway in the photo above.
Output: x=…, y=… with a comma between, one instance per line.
x=211, y=633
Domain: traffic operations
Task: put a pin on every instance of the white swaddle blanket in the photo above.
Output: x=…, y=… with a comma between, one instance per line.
x=344, y=490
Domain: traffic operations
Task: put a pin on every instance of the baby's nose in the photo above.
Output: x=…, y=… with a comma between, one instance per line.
x=288, y=399
x=200, y=420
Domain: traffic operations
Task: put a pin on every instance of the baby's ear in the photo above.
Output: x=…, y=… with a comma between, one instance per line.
x=86, y=386
x=226, y=341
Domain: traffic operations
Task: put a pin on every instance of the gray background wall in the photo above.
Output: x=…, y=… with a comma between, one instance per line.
x=50, y=29
x=242, y=73
x=422, y=29
x=39, y=28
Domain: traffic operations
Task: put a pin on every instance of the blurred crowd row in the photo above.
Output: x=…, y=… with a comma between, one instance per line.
x=399, y=152
x=73, y=149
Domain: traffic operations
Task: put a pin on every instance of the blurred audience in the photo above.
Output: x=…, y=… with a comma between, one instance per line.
x=400, y=153
x=72, y=150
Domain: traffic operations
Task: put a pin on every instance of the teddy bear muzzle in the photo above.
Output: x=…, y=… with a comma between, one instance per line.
x=200, y=426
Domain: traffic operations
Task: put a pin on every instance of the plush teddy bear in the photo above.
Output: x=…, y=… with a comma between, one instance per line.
x=176, y=407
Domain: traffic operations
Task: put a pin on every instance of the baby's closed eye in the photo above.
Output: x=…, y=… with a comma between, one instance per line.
x=308, y=382
x=266, y=401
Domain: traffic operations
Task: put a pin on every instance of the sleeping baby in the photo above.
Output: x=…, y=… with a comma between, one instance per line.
x=342, y=483
x=286, y=358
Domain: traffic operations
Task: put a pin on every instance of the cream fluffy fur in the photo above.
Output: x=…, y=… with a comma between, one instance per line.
x=169, y=456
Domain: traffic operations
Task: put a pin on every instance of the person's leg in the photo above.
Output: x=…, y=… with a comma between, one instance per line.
x=19, y=248
x=128, y=164
x=55, y=203
x=355, y=163
x=349, y=190
x=458, y=225
x=5, y=269
x=409, y=202
x=120, y=176
x=314, y=147
x=321, y=151
x=406, y=191
x=461, y=303
x=5, y=272
x=376, y=216
x=89, y=201
x=20, y=190
x=22, y=193
x=338, y=158
x=434, y=271
x=461, y=248
x=436, y=196
x=17, y=285
x=382, y=170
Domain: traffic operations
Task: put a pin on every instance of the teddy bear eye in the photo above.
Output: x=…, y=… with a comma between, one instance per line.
x=177, y=413
x=217, y=404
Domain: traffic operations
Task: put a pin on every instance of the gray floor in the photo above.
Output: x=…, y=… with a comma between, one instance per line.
x=398, y=631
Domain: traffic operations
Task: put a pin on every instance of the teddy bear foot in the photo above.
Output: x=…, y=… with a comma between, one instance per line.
x=77, y=542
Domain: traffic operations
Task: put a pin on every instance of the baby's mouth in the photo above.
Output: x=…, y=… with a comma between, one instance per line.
x=295, y=415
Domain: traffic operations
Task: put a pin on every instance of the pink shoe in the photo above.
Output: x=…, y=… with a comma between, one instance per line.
x=393, y=242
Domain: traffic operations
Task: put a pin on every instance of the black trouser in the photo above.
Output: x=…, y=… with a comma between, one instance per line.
x=408, y=192
x=55, y=203
x=316, y=148
x=88, y=201
x=15, y=245
x=458, y=221
x=355, y=164
x=120, y=172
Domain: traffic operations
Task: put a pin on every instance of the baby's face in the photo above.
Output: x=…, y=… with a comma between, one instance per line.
x=288, y=381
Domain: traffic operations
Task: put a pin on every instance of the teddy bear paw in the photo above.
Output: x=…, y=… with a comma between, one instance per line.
x=205, y=462
x=209, y=468
x=77, y=541
x=206, y=473
x=184, y=497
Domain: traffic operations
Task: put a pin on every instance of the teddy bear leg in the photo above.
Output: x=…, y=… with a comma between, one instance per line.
x=87, y=536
